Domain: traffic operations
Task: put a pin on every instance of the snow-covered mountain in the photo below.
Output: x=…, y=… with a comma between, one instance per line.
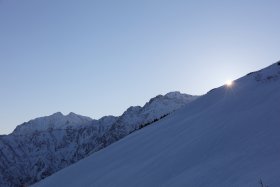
x=55, y=121
x=228, y=137
x=43, y=146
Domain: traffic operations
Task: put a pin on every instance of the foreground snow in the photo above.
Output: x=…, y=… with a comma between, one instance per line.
x=229, y=137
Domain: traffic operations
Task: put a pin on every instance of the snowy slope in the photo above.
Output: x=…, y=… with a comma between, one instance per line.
x=43, y=146
x=228, y=137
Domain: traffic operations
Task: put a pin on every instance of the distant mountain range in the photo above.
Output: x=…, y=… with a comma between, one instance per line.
x=45, y=145
x=229, y=137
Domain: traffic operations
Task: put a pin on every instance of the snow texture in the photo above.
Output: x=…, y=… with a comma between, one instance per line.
x=43, y=146
x=228, y=137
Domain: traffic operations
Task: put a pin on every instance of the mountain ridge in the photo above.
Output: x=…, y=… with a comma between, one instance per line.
x=44, y=145
x=228, y=137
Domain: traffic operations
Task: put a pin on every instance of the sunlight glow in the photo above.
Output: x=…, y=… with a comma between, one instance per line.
x=229, y=83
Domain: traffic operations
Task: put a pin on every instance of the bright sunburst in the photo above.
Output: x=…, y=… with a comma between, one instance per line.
x=229, y=83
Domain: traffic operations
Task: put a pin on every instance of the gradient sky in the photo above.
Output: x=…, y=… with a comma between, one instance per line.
x=97, y=58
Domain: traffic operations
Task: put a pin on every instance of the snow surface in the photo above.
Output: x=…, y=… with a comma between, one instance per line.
x=228, y=137
x=45, y=145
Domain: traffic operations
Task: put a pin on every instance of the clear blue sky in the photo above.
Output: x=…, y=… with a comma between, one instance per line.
x=98, y=57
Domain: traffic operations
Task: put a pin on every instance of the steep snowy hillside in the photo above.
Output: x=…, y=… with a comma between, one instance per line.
x=40, y=147
x=138, y=117
x=228, y=137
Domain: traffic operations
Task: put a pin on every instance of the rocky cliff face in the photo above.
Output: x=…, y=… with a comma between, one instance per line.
x=43, y=146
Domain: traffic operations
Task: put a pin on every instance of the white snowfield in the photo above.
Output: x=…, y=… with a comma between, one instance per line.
x=229, y=137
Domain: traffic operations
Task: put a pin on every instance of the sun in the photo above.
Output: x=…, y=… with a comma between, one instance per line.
x=229, y=83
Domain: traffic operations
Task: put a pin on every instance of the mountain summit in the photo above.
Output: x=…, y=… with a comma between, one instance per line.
x=45, y=145
x=54, y=121
x=228, y=137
